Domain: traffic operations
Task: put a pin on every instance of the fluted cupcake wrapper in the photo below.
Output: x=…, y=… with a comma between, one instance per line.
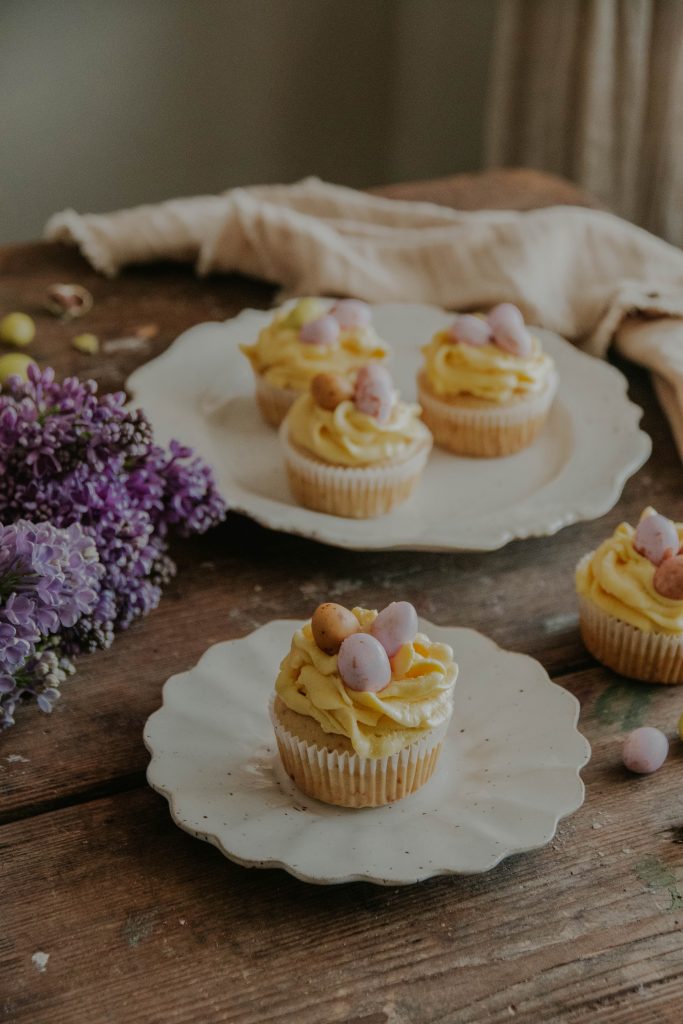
x=486, y=432
x=356, y=493
x=650, y=657
x=273, y=402
x=349, y=780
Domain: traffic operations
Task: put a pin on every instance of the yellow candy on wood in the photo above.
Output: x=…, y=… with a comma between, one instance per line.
x=17, y=329
x=15, y=365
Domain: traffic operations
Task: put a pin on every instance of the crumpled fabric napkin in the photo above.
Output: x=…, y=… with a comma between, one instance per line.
x=586, y=274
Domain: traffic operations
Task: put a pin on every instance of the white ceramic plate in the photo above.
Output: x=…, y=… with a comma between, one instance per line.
x=508, y=772
x=201, y=391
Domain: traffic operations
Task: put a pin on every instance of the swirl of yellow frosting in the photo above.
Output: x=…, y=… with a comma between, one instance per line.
x=418, y=698
x=484, y=371
x=347, y=437
x=285, y=361
x=620, y=581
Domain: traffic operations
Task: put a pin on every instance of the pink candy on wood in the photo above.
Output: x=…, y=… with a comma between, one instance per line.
x=656, y=538
x=645, y=750
x=363, y=663
x=395, y=625
x=374, y=392
x=351, y=313
x=509, y=330
x=323, y=331
x=668, y=579
x=472, y=330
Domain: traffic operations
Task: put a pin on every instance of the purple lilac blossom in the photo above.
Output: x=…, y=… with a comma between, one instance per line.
x=69, y=456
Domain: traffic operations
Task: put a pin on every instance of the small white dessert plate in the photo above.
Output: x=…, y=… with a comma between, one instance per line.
x=201, y=392
x=508, y=772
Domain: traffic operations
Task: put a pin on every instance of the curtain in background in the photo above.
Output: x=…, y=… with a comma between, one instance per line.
x=593, y=89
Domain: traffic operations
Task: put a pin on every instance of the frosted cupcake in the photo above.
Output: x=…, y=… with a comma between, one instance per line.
x=362, y=704
x=353, y=448
x=486, y=386
x=303, y=340
x=631, y=600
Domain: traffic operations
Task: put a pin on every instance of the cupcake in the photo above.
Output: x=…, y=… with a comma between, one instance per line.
x=631, y=600
x=305, y=339
x=362, y=704
x=486, y=386
x=352, y=448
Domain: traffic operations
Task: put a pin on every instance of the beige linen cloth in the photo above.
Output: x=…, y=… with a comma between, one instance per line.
x=585, y=274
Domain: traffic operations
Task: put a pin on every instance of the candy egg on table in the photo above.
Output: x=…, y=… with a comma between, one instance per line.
x=668, y=578
x=395, y=625
x=331, y=625
x=323, y=331
x=351, y=313
x=656, y=537
x=509, y=330
x=363, y=663
x=374, y=392
x=330, y=389
x=15, y=364
x=645, y=750
x=471, y=330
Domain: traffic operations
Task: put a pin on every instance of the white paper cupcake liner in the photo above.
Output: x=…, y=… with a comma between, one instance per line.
x=486, y=432
x=651, y=657
x=356, y=493
x=273, y=402
x=349, y=780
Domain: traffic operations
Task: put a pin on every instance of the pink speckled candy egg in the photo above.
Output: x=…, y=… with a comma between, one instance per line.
x=471, y=330
x=374, y=392
x=645, y=750
x=323, y=331
x=395, y=625
x=351, y=314
x=509, y=330
x=668, y=578
x=363, y=663
x=656, y=538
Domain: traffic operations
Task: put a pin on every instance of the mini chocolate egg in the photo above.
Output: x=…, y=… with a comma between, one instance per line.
x=395, y=625
x=656, y=538
x=351, y=313
x=330, y=389
x=645, y=750
x=323, y=331
x=509, y=330
x=374, y=392
x=363, y=663
x=304, y=310
x=471, y=330
x=331, y=625
x=668, y=578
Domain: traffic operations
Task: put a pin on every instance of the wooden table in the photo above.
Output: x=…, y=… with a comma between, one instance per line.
x=144, y=924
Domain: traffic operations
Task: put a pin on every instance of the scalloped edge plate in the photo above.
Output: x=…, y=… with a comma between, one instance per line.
x=508, y=772
x=201, y=391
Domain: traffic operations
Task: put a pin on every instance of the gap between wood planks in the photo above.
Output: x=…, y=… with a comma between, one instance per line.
x=134, y=780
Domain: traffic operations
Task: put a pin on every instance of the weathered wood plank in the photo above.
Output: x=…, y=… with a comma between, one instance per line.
x=143, y=923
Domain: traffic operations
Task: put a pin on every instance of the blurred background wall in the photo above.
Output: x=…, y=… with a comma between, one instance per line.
x=109, y=103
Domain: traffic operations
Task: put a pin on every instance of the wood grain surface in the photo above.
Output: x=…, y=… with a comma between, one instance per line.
x=141, y=923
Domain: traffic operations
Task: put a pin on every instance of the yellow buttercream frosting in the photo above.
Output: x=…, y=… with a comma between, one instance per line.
x=418, y=698
x=621, y=581
x=285, y=361
x=484, y=371
x=347, y=437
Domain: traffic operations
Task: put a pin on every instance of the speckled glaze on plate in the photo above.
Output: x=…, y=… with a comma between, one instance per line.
x=201, y=391
x=509, y=769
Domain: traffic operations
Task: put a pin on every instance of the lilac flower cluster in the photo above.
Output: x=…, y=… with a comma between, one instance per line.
x=70, y=456
x=49, y=578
